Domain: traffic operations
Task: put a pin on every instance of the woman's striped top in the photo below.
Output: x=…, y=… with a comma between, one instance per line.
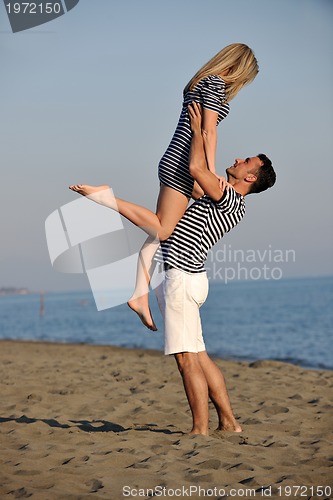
x=204, y=223
x=173, y=169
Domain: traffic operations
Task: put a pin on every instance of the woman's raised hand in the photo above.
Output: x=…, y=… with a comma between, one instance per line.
x=194, y=111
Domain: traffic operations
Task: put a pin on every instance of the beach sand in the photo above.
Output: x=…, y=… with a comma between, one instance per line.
x=81, y=421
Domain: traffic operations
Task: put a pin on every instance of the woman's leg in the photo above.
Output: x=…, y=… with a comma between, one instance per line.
x=139, y=300
x=171, y=206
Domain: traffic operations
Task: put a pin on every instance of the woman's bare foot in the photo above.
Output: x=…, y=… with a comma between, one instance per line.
x=141, y=307
x=87, y=190
x=102, y=195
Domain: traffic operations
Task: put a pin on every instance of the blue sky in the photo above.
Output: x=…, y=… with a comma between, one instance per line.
x=95, y=95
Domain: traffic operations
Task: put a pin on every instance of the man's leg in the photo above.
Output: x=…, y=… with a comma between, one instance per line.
x=218, y=393
x=196, y=389
x=179, y=299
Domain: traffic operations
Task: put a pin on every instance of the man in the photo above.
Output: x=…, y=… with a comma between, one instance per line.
x=219, y=206
x=185, y=286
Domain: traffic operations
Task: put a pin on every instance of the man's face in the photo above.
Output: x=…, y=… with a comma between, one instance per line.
x=242, y=168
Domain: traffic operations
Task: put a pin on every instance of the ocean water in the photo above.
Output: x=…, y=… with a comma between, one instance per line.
x=288, y=320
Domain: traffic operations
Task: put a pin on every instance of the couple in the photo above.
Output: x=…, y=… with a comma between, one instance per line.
x=188, y=169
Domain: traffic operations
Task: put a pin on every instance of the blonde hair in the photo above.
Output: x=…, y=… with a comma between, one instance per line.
x=237, y=60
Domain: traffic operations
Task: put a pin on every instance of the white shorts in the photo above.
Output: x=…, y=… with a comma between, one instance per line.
x=179, y=297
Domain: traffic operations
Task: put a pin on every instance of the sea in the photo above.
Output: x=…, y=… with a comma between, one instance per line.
x=289, y=320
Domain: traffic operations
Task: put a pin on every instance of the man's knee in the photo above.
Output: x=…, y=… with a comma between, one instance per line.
x=186, y=360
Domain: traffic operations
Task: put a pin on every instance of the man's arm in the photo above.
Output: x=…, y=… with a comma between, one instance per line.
x=198, y=164
x=197, y=191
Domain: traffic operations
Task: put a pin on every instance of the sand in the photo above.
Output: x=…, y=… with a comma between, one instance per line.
x=81, y=421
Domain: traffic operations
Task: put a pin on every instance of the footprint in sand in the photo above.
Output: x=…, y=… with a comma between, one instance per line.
x=204, y=478
x=251, y=421
x=94, y=485
x=241, y=466
x=20, y=493
x=249, y=481
x=296, y=397
x=273, y=410
x=211, y=464
x=62, y=392
x=34, y=397
x=29, y=473
x=140, y=465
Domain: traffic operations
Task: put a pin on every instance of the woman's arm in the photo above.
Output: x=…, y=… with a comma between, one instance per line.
x=209, y=135
x=207, y=181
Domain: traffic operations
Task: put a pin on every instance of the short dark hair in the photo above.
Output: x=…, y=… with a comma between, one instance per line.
x=266, y=175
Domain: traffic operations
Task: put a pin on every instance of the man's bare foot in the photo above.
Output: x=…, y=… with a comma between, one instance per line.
x=230, y=427
x=141, y=307
x=87, y=190
x=199, y=432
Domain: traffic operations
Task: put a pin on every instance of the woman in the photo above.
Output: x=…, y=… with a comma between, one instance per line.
x=213, y=86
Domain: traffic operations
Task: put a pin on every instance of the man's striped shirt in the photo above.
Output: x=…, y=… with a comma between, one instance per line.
x=203, y=224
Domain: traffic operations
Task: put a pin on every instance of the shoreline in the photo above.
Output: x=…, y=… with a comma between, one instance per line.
x=84, y=421
x=235, y=359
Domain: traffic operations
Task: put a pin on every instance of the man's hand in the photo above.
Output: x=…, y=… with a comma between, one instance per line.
x=223, y=183
x=195, y=114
